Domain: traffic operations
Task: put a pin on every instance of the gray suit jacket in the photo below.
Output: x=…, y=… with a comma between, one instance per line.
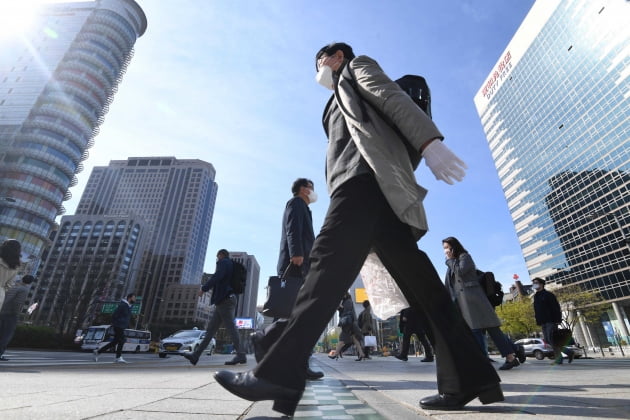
x=372, y=104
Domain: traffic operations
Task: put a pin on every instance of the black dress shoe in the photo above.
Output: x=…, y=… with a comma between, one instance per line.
x=520, y=353
x=259, y=350
x=312, y=375
x=509, y=365
x=399, y=357
x=247, y=386
x=427, y=359
x=487, y=395
x=236, y=360
x=191, y=358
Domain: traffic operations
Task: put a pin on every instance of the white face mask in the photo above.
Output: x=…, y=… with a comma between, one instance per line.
x=312, y=196
x=536, y=286
x=325, y=77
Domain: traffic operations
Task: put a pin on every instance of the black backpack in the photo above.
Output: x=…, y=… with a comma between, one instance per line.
x=491, y=287
x=418, y=89
x=239, y=277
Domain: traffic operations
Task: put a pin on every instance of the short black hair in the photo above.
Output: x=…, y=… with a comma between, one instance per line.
x=366, y=303
x=28, y=279
x=10, y=252
x=130, y=295
x=332, y=48
x=300, y=182
x=224, y=252
x=539, y=280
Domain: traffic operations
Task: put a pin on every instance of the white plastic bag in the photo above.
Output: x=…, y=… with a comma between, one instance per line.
x=385, y=297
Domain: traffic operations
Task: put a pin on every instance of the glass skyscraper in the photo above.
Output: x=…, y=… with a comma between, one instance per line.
x=56, y=83
x=556, y=113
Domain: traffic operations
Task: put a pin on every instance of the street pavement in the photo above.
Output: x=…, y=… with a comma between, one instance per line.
x=70, y=385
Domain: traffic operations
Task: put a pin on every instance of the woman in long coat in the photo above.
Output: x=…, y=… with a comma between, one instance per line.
x=10, y=251
x=463, y=285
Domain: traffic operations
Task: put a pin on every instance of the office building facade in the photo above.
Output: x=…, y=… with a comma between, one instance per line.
x=246, y=307
x=556, y=113
x=93, y=260
x=56, y=83
x=176, y=198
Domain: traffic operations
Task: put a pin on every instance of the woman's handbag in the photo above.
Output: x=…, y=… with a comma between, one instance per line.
x=369, y=341
x=282, y=292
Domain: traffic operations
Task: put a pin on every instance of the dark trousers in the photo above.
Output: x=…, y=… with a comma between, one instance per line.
x=504, y=344
x=7, y=328
x=422, y=336
x=118, y=341
x=223, y=314
x=360, y=219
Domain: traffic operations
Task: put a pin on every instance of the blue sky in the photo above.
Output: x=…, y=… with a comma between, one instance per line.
x=232, y=83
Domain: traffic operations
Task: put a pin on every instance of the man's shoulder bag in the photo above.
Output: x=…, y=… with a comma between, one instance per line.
x=282, y=292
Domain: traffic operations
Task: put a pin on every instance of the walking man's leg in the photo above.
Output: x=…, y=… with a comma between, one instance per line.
x=461, y=376
x=211, y=330
x=226, y=311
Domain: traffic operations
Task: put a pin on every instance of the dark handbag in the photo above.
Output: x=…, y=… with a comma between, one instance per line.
x=561, y=336
x=282, y=292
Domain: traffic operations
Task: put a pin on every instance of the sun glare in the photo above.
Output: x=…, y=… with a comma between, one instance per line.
x=16, y=17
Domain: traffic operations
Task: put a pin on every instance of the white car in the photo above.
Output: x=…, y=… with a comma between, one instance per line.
x=184, y=341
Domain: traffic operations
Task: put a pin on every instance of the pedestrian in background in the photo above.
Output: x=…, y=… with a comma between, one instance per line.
x=411, y=322
x=462, y=282
x=224, y=301
x=296, y=242
x=366, y=323
x=11, y=308
x=120, y=321
x=10, y=251
x=350, y=331
x=548, y=315
x=376, y=138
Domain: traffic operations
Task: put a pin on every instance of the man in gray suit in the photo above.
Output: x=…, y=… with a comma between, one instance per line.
x=376, y=137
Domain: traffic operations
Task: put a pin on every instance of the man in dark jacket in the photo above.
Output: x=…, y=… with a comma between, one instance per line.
x=376, y=136
x=13, y=302
x=224, y=301
x=120, y=321
x=548, y=316
x=411, y=322
x=296, y=242
x=297, y=235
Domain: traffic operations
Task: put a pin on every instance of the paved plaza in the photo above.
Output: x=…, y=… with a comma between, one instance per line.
x=46, y=385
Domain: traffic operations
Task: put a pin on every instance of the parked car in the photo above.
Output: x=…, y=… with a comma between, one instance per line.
x=536, y=347
x=577, y=351
x=184, y=341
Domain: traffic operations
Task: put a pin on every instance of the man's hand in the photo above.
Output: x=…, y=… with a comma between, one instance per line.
x=444, y=164
x=297, y=260
x=201, y=292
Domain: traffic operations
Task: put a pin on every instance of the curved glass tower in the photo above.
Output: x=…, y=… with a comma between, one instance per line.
x=55, y=87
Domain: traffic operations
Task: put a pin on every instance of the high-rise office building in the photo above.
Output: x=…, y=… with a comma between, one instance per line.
x=176, y=198
x=246, y=306
x=93, y=260
x=56, y=83
x=556, y=113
